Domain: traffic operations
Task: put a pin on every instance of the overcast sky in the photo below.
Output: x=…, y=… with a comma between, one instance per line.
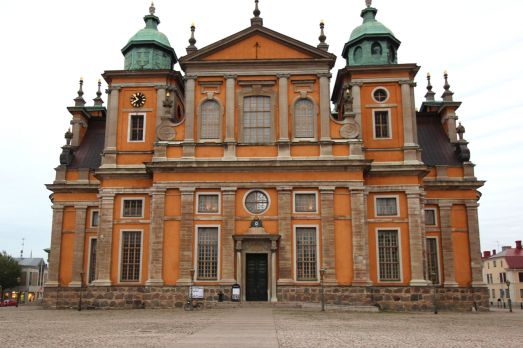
x=48, y=45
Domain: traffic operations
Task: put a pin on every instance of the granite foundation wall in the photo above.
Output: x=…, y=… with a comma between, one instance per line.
x=394, y=298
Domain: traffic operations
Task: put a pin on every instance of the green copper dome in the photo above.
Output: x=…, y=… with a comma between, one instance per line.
x=371, y=43
x=149, y=48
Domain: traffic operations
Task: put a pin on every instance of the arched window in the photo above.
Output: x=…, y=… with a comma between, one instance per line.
x=210, y=120
x=303, y=120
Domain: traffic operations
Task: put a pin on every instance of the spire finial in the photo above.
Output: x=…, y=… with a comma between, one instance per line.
x=322, y=38
x=191, y=48
x=79, y=101
x=430, y=95
x=152, y=9
x=256, y=11
x=447, y=95
x=368, y=2
x=98, y=100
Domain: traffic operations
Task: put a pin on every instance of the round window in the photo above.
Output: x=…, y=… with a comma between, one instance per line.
x=256, y=202
x=380, y=95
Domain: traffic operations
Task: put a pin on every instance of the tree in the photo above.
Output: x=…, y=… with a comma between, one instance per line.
x=10, y=270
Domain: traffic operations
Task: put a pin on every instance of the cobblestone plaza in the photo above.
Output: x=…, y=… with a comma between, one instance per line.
x=32, y=326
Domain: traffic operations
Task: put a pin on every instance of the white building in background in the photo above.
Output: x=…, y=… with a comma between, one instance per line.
x=34, y=276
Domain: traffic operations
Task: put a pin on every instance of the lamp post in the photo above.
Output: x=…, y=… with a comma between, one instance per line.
x=190, y=289
x=82, y=275
x=508, y=295
x=433, y=277
x=18, y=280
x=322, y=273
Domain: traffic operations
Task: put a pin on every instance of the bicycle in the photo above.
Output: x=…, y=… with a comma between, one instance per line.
x=197, y=306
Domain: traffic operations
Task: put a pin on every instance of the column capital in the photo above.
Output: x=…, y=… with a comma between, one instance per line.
x=283, y=75
x=327, y=189
x=284, y=189
x=113, y=88
x=156, y=190
x=413, y=193
x=324, y=74
x=355, y=83
x=190, y=77
x=472, y=205
x=80, y=207
x=187, y=190
x=230, y=76
x=444, y=205
x=229, y=190
x=408, y=82
x=57, y=208
x=78, y=120
x=161, y=87
x=106, y=195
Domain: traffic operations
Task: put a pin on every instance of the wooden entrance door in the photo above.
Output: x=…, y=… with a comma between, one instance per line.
x=256, y=280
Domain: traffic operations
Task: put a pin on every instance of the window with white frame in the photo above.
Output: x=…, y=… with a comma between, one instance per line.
x=207, y=253
x=306, y=258
x=131, y=256
x=305, y=202
x=94, y=218
x=503, y=277
x=132, y=207
x=136, y=127
x=521, y=293
x=494, y=263
x=430, y=217
x=303, y=119
x=388, y=254
x=380, y=94
x=501, y=264
x=493, y=293
x=490, y=279
x=387, y=206
x=210, y=127
x=256, y=202
x=257, y=119
x=520, y=275
x=432, y=258
x=381, y=125
x=208, y=203
x=91, y=275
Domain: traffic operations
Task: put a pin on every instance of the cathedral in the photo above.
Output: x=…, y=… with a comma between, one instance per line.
x=248, y=170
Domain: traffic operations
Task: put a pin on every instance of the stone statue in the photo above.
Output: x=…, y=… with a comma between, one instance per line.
x=348, y=100
x=256, y=222
x=460, y=130
x=167, y=104
x=376, y=51
x=68, y=136
x=368, y=3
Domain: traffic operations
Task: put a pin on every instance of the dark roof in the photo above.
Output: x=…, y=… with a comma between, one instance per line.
x=30, y=261
x=436, y=145
x=88, y=154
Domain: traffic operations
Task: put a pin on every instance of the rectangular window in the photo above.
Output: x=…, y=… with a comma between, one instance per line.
x=208, y=253
x=132, y=208
x=389, y=255
x=305, y=202
x=521, y=293
x=381, y=124
x=502, y=277
x=137, y=128
x=94, y=218
x=493, y=293
x=430, y=217
x=520, y=274
x=92, y=260
x=306, y=253
x=432, y=258
x=30, y=278
x=257, y=120
x=494, y=263
x=501, y=263
x=488, y=265
x=207, y=203
x=131, y=251
x=490, y=279
x=386, y=206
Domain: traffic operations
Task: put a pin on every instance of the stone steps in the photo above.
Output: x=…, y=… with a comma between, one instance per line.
x=295, y=305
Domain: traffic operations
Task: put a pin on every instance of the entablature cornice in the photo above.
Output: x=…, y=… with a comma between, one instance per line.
x=419, y=171
x=452, y=185
x=121, y=173
x=75, y=203
x=350, y=184
x=73, y=188
x=161, y=76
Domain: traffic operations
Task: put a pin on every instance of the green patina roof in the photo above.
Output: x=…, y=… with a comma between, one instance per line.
x=370, y=26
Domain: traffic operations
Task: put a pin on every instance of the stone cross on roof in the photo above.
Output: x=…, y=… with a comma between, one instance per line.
x=368, y=2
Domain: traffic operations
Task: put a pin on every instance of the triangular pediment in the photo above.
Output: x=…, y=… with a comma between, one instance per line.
x=257, y=43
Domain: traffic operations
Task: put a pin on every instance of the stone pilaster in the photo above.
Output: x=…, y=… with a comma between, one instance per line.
x=79, y=246
x=229, y=108
x=274, y=248
x=186, y=236
x=228, y=229
x=77, y=124
x=424, y=237
x=409, y=147
x=156, y=237
x=189, y=144
x=284, y=106
x=56, y=246
x=285, y=231
x=415, y=239
x=160, y=97
x=360, y=238
x=474, y=246
x=105, y=240
x=327, y=234
x=109, y=153
x=356, y=106
x=325, y=105
x=446, y=243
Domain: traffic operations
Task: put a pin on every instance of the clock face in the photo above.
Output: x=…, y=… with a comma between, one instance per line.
x=138, y=100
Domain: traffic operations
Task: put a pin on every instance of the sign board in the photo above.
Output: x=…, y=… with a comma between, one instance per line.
x=236, y=294
x=502, y=292
x=197, y=292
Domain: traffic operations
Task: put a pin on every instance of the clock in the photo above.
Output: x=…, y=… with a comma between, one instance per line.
x=138, y=100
